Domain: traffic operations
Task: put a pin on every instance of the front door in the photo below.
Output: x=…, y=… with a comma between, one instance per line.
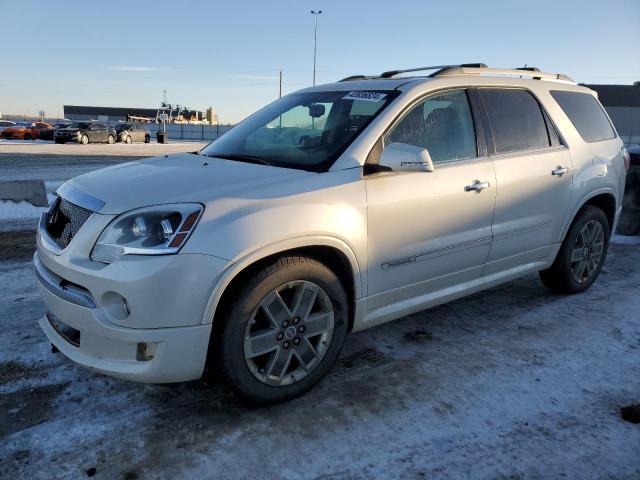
x=533, y=172
x=430, y=230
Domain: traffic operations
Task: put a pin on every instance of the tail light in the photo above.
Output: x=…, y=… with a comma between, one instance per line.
x=627, y=158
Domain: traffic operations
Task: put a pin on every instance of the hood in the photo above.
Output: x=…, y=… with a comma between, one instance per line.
x=182, y=177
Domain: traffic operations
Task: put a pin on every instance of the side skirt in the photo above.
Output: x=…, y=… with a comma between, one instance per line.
x=365, y=319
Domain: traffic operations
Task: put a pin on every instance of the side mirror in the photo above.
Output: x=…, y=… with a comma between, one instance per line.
x=402, y=157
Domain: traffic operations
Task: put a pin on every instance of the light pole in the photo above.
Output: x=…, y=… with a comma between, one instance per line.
x=315, y=13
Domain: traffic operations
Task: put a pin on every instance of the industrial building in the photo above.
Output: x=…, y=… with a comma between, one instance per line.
x=120, y=114
x=622, y=103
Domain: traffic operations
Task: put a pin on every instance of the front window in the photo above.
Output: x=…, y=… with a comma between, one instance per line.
x=442, y=124
x=306, y=130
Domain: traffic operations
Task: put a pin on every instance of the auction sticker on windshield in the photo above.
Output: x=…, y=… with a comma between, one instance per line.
x=365, y=95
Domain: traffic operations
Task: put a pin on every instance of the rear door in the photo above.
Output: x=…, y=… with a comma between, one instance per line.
x=100, y=132
x=139, y=133
x=534, y=176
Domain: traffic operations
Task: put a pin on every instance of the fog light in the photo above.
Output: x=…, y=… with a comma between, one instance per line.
x=144, y=352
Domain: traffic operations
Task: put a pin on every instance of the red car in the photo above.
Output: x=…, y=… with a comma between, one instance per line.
x=25, y=130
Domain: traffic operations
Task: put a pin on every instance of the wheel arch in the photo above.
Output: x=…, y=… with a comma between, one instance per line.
x=333, y=252
x=604, y=199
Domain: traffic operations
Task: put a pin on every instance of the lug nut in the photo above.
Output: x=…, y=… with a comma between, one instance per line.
x=280, y=336
x=296, y=341
x=295, y=320
x=301, y=328
x=285, y=345
x=285, y=324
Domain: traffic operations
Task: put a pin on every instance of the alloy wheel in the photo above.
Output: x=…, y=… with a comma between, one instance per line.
x=587, y=251
x=289, y=333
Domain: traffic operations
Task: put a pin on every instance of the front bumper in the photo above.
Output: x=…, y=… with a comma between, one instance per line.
x=171, y=354
x=139, y=318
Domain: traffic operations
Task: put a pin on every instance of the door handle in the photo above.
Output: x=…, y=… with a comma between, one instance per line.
x=559, y=171
x=477, y=186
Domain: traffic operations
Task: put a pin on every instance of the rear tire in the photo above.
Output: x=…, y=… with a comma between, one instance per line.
x=110, y=139
x=147, y=139
x=27, y=136
x=294, y=356
x=582, y=253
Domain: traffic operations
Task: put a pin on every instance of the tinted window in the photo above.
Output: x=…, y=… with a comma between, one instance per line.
x=516, y=120
x=586, y=114
x=442, y=124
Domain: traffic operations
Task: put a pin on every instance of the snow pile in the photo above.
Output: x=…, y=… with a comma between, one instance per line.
x=13, y=210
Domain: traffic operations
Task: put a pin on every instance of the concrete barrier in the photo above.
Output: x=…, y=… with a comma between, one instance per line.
x=32, y=191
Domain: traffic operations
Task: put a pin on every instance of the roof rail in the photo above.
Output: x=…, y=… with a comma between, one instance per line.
x=392, y=73
x=532, y=72
x=355, y=77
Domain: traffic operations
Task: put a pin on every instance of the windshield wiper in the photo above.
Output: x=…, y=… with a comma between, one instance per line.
x=241, y=158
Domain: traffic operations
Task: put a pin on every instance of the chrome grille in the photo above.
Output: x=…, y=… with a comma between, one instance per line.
x=64, y=220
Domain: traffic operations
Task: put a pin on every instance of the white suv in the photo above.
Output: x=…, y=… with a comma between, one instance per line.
x=331, y=210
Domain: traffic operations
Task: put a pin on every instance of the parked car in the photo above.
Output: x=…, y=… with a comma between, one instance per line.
x=6, y=124
x=85, y=132
x=132, y=132
x=334, y=209
x=47, y=133
x=25, y=130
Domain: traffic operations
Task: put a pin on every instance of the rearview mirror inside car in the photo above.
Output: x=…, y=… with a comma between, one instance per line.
x=316, y=110
x=402, y=157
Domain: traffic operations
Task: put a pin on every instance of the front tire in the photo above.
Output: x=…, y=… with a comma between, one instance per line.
x=128, y=139
x=84, y=139
x=284, y=332
x=582, y=253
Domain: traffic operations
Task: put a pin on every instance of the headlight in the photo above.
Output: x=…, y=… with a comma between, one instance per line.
x=157, y=230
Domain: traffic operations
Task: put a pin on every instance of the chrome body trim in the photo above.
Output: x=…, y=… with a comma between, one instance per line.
x=45, y=239
x=80, y=198
x=441, y=251
x=56, y=286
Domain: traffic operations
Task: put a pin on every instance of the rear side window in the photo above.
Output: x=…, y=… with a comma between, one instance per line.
x=586, y=114
x=516, y=119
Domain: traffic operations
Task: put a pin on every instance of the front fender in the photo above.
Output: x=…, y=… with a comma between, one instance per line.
x=235, y=267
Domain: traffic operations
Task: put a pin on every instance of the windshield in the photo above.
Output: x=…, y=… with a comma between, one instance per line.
x=308, y=130
x=123, y=126
x=80, y=125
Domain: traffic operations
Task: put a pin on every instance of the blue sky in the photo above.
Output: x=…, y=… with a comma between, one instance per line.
x=228, y=54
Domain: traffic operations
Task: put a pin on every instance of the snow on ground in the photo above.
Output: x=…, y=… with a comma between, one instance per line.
x=13, y=210
x=42, y=147
x=626, y=240
x=515, y=382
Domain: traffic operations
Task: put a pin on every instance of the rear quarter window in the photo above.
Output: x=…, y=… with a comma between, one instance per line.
x=586, y=114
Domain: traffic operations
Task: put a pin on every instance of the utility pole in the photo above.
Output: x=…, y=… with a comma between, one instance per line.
x=280, y=91
x=315, y=13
